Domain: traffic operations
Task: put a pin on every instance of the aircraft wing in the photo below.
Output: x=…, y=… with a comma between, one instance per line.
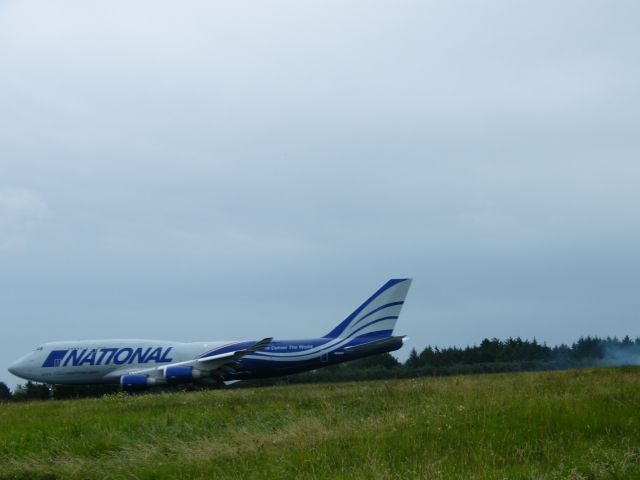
x=224, y=362
x=217, y=361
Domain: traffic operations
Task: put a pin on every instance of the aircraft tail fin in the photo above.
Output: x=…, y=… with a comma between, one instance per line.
x=378, y=315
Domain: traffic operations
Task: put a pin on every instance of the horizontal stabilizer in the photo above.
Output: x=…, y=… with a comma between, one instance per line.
x=376, y=344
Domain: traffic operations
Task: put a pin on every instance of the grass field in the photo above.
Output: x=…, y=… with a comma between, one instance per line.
x=579, y=424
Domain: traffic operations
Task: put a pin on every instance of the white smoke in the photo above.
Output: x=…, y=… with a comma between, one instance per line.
x=618, y=355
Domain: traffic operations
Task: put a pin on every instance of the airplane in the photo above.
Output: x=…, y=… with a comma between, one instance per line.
x=139, y=364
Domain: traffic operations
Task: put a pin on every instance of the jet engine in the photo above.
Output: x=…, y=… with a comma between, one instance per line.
x=136, y=382
x=181, y=374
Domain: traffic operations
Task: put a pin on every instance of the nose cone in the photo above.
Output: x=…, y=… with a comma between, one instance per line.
x=17, y=368
x=13, y=368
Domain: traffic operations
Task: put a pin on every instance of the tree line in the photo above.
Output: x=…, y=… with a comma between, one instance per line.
x=519, y=350
x=491, y=355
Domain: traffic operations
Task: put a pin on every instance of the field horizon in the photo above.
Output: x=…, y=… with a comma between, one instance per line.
x=577, y=424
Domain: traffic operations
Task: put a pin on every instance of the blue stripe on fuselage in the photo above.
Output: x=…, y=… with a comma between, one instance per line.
x=378, y=334
x=252, y=367
x=288, y=346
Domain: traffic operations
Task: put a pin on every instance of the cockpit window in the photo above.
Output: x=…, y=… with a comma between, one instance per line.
x=39, y=348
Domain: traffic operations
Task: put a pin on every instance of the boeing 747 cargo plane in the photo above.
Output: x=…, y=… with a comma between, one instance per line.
x=138, y=364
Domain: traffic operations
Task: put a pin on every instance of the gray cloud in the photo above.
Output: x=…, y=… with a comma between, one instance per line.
x=240, y=170
x=20, y=211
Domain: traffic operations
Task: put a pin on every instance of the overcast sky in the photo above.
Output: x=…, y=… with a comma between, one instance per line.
x=217, y=170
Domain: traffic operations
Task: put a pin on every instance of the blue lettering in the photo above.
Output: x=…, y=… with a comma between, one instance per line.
x=90, y=358
x=75, y=357
x=105, y=353
x=141, y=357
x=155, y=355
x=164, y=357
x=119, y=359
x=106, y=356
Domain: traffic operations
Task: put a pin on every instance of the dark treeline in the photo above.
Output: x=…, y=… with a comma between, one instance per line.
x=518, y=350
x=490, y=356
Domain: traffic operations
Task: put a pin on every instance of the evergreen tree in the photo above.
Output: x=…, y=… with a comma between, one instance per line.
x=413, y=361
x=5, y=393
x=428, y=357
x=587, y=347
x=32, y=391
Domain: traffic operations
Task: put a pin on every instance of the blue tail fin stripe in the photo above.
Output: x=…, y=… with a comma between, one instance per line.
x=340, y=328
x=392, y=304
x=392, y=317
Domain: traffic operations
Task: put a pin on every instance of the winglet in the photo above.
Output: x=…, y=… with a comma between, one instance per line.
x=261, y=345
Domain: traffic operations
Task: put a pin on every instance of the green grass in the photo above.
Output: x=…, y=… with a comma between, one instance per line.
x=577, y=424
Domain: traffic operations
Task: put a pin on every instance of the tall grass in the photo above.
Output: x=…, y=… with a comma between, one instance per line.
x=578, y=424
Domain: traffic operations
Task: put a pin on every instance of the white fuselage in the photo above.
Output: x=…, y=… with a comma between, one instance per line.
x=102, y=361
